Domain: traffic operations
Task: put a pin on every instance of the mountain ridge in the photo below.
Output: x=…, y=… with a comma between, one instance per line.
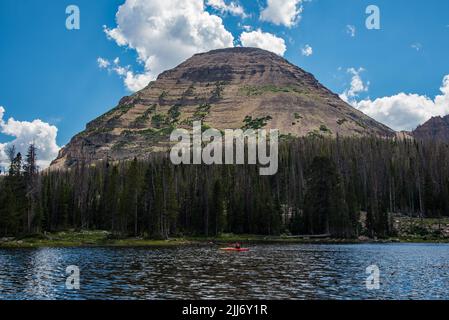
x=436, y=128
x=225, y=89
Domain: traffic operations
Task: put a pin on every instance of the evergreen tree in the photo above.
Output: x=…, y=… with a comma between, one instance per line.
x=325, y=209
x=218, y=219
x=31, y=178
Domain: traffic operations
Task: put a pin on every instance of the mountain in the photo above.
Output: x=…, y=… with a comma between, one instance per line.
x=226, y=89
x=437, y=129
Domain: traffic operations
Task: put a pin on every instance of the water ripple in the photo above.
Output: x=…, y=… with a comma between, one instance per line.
x=408, y=271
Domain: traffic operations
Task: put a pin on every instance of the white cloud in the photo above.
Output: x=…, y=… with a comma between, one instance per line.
x=134, y=82
x=41, y=133
x=103, y=63
x=282, y=12
x=232, y=8
x=307, y=50
x=406, y=111
x=165, y=33
x=245, y=27
x=402, y=111
x=263, y=40
x=351, y=30
x=357, y=86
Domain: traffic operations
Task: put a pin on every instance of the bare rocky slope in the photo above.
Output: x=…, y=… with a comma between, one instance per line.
x=225, y=89
x=436, y=129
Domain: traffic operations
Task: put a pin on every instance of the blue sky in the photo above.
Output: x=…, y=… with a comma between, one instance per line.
x=50, y=73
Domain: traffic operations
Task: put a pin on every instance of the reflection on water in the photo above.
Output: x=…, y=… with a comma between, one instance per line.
x=408, y=271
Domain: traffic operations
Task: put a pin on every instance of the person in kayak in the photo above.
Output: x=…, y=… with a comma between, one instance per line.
x=237, y=246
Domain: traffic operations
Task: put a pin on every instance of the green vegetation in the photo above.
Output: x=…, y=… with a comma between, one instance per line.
x=159, y=120
x=205, y=126
x=341, y=121
x=142, y=119
x=174, y=113
x=150, y=134
x=120, y=111
x=255, y=124
x=162, y=96
x=321, y=132
x=217, y=92
x=407, y=229
x=190, y=91
x=325, y=209
x=345, y=187
x=297, y=116
x=415, y=229
x=260, y=90
x=325, y=129
x=116, y=114
x=201, y=112
x=120, y=144
x=97, y=130
x=72, y=238
x=314, y=134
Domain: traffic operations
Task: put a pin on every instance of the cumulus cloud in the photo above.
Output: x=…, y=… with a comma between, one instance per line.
x=282, y=12
x=24, y=133
x=165, y=33
x=406, y=111
x=357, y=86
x=263, y=40
x=307, y=50
x=232, y=8
x=351, y=30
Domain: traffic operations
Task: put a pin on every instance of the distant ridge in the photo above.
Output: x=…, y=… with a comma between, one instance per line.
x=437, y=129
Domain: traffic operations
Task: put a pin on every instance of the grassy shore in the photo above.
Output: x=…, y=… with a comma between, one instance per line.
x=103, y=239
x=73, y=238
x=409, y=230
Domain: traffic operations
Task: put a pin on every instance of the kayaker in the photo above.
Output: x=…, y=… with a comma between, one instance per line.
x=237, y=246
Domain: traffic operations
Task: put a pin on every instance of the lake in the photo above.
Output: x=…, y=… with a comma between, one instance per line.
x=407, y=271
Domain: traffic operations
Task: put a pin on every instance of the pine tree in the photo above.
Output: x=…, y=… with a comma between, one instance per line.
x=325, y=209
x=31, y=178
x=218, y=219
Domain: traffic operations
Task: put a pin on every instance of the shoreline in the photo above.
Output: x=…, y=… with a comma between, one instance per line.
x=86, y=239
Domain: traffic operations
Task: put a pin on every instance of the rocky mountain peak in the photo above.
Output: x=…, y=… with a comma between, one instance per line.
x=225, y=89
x=437, y=128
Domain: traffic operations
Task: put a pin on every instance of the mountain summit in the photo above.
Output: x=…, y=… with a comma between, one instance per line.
x=435, y=129
x=225, y=89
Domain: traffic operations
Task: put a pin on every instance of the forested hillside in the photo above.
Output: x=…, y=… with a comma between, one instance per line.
x=321, y=187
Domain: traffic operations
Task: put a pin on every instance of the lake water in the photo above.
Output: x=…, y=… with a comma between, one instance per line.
x=407, y=271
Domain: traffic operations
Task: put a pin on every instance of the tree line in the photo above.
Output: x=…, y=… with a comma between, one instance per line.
x=321, y=187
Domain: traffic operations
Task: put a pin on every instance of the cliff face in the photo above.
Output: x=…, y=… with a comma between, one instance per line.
x=436, y=129
x=225, y=89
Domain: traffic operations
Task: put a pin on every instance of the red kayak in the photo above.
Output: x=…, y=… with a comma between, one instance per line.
x=235, y=249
